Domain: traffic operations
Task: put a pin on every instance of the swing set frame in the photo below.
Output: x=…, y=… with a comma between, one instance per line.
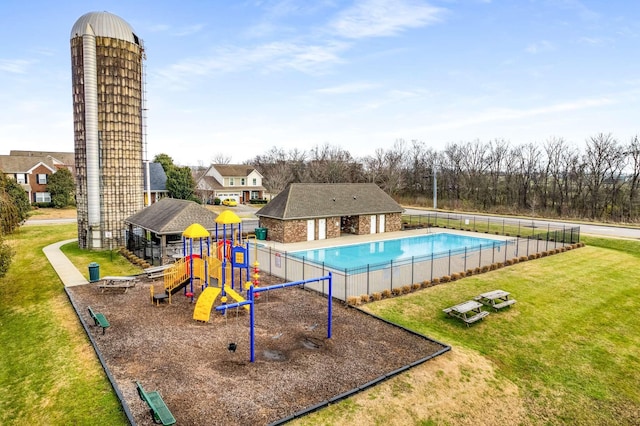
x=252, y=291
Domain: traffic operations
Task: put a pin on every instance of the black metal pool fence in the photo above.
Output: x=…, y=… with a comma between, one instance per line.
x=392, y=276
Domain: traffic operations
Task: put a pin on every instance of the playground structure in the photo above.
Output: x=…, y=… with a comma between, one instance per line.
x=214, y=271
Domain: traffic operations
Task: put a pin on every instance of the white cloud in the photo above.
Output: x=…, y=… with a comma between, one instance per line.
x=378, y=18
x=15, y=66
x=274, y=56
x=347, y=88
x=507, y=114
x=540, y=46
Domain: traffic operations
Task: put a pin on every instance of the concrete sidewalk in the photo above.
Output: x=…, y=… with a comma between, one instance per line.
x=68, y=273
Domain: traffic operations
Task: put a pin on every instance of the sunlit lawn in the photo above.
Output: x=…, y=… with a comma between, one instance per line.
x=49, y=374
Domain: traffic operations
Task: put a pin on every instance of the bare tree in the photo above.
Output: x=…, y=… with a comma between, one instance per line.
x=220, y=158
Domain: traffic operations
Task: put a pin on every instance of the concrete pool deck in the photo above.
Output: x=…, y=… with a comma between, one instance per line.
x=348, y=239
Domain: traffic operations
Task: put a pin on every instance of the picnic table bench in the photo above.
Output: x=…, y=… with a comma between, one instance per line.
x=99, y=319
x=159, y=410
x=157, y=271
x=496, y=299
x=120, y=283
x=469, y=311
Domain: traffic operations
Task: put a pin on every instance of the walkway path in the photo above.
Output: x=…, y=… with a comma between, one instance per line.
x=67, y=271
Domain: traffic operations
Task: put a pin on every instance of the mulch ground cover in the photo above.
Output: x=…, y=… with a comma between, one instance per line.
x=204, y=383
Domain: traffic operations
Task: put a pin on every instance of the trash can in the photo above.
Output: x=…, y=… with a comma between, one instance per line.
x=94, y=272
x=261, y=233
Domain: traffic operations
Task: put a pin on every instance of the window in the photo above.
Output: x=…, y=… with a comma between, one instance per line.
x=255, y=181
x=231, y=182
x=242, y=182
x=43, y=197
x=42, y=179
x=21, y=178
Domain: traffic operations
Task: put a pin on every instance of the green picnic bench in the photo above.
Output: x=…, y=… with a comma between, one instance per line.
x=159, y=410
x=99, y=319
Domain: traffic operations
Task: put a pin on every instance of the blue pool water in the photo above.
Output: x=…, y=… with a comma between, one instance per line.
x=382, y=252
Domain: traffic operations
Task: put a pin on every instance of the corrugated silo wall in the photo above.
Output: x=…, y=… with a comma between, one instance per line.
x=77, y=75
x=119, y=67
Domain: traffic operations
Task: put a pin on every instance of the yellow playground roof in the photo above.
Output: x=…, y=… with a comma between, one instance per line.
x=195, y=230
x=228, y=217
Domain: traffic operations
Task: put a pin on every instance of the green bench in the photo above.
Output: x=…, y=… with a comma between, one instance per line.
x=99, y=319
x=159, y=410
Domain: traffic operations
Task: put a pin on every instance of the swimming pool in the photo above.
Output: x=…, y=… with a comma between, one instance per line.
x=380, y=253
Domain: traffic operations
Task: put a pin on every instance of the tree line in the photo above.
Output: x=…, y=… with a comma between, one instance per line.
x=550, y=179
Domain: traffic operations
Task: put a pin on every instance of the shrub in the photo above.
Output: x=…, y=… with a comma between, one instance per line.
x=469, y=272
x=493, y=267
x=376, y=296
x=6, y=254
x=406, y=289
x=396, y=291
x=445, y=279
x=386, y=293
x=522, y=258
x=477, y=270
x=435, y=281
x=352, y=300
x=455, y=276
x=415, y=286
x=508, y=262
x=426, y=283
x=484, y=269
x=544, y=254
x=531, y=257
x=364, y=298
x=500, y=265
x=515, y=260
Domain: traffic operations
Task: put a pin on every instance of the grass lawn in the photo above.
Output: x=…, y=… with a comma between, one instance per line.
x=565, y=353
x=49, y=374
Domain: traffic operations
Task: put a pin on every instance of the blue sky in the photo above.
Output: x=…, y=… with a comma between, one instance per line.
x=239, y=77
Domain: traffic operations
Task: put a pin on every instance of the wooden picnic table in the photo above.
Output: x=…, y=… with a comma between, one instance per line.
x=121, y=283
x=469, y=311
x=496, y=299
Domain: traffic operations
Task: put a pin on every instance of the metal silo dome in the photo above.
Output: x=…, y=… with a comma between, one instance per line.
x=104, y=24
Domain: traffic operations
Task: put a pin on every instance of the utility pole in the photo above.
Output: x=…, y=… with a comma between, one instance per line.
x=435, y=187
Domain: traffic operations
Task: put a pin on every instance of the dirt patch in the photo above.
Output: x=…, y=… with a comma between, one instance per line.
x=51, y=213
x=203, y=382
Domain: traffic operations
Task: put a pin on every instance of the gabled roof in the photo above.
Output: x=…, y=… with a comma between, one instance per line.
x=313, y=200
x=172, y=216
x=23, y=164
x=158, y=178
x=66, y=158
x=233, y=170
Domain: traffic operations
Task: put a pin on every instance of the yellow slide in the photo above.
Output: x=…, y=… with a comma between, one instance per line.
x=235, y=296
x=202, y=311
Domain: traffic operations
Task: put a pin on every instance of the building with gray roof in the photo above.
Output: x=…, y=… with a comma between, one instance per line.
x=315, y=211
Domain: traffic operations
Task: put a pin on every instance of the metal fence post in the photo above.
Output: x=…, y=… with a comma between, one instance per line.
x=465, y=259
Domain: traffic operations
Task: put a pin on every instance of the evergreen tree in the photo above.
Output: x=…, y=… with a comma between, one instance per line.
x=180, y=183
x=61, y=187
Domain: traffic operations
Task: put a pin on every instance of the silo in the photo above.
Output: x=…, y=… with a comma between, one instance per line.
x=107, y=73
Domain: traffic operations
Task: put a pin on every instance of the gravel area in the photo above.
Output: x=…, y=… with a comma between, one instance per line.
x=204, y=383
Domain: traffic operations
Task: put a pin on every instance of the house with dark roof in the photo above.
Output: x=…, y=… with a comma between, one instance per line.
x=157, y=183
x=31, y=169
x=155, y=232
x=236, y=181
x=316, y=211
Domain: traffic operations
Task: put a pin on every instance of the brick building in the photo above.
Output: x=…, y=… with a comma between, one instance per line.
x=314, y=211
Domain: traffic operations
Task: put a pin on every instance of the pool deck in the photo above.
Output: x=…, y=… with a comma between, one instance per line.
x=347, y=239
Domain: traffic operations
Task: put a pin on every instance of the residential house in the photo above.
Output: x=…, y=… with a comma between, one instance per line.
x=31, y=169
x=316, y=211
x=240, y=182
x=157, y=182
